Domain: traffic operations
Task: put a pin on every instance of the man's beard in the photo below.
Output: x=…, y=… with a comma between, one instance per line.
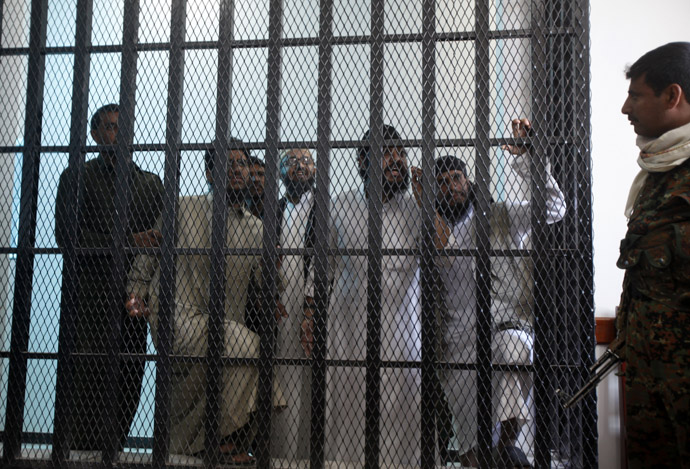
x=298, y=188
x=396, y=186
x=454, y=212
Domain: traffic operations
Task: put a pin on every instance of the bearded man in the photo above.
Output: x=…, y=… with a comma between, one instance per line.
x=511, y=303
x=291, y=427
x=400, y=214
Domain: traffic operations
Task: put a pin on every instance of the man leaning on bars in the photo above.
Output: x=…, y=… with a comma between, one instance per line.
x=238, y=399
x=512, y=342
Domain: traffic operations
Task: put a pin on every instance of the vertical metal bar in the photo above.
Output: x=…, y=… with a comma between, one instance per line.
x=70, y=300
x=119, y=257
x=269, y=256
x=317, y=433
x=428, y=254
x=161, y=431
x=21, y=313
x=543, y=320
x=583, y=176
x=374, y=256
x=483, y=230
x=565, y=427
x=2, y=12
x=214, y=370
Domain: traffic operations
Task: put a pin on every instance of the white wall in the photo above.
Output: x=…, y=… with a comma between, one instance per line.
x=621, y=31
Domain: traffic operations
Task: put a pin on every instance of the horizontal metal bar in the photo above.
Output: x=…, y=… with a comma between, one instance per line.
x=298, y=42
x=335, y=144
x=47, y=464
x=442, y=253
x=333, y=363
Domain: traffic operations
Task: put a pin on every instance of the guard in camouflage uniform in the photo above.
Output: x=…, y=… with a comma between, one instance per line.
x=96, y=220
x=654, y=314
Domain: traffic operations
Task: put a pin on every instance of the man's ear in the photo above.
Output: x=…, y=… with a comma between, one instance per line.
x=360, y=161
x=209, y=176
x=95, y=137
x=674, y=95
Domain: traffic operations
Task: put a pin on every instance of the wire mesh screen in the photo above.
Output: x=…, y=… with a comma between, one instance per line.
x=295, y=233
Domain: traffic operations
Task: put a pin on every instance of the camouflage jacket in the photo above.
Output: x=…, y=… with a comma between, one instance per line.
x=655, y=252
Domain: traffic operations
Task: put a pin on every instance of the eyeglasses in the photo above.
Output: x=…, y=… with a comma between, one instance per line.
x=305, y=160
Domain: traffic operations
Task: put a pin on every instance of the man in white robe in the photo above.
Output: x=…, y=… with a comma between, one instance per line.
x=399, y=424
x=291, y=427
x=511, y=303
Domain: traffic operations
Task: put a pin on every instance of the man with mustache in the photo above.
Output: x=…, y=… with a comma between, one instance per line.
x=190, y=323
x=511, y=303
x=399, y=425
x=653, y=317
x=296, y=220
x=96, y=221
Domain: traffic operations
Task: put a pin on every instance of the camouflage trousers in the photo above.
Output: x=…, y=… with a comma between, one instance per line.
x=657, y=386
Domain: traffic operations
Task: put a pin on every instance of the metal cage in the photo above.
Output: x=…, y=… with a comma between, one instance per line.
x=315, y=74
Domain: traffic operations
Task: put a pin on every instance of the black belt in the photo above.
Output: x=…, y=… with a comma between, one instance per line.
x=518, y=325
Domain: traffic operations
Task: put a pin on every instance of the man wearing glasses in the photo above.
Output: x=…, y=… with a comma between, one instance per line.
x=192, y=297
x=295, y=219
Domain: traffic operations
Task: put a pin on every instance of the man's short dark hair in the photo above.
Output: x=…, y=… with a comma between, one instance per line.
x=100, y=112
x=234, y=142
x=363, y=151
x=664, y=66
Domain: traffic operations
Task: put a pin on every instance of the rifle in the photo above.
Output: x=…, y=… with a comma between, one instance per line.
x=601, y=368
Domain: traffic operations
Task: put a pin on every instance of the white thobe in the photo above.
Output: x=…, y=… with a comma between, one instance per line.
x=399, y=424
x=511, y=300
x=291, y=426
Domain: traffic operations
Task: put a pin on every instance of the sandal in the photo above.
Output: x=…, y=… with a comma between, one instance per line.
x=237, y=458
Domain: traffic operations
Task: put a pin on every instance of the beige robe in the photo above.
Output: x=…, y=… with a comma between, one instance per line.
x=192, y=297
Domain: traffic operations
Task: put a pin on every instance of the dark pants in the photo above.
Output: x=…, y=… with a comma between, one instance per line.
x=657, y=389
x=91, y=386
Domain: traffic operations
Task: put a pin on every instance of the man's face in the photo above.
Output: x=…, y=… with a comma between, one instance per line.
x=646, y=112
x=106, y=132
x=238, y=171
x=300, y=167
x=453, y=189
x=258, y=178
x=395, y=172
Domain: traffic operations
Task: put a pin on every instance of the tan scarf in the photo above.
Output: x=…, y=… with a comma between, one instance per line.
x=658, y=155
